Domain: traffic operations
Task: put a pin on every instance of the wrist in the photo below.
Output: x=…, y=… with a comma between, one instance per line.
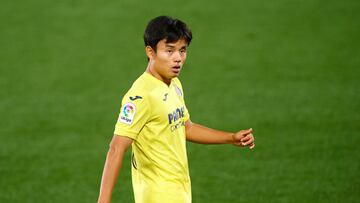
x=231, y=138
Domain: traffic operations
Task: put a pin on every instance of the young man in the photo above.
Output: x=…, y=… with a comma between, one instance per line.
x=156, y=122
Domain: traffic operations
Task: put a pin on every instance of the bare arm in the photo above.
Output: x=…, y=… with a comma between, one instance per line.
x=204, y=135
x=118, y=147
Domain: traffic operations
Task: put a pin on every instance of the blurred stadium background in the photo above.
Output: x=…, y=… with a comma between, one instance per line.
x=288, y=69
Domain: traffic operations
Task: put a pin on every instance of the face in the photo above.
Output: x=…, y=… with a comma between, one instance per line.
x=167, y=61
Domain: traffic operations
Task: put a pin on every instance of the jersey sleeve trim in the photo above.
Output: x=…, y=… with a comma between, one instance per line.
x=124, y=133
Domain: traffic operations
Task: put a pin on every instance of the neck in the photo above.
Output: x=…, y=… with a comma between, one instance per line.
x=151, y=71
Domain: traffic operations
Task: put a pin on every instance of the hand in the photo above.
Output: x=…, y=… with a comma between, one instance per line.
x=244, y=138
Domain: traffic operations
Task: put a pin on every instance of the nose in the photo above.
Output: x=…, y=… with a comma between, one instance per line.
x=177, y=57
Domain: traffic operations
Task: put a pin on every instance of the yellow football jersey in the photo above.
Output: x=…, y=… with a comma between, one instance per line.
x=154, y=115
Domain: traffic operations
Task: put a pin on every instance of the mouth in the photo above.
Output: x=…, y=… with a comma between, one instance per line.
x=176, y=69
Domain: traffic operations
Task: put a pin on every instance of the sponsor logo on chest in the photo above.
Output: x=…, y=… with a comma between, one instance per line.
x=176, y=115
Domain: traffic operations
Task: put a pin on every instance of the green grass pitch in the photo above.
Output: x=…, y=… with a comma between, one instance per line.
x=288, y=69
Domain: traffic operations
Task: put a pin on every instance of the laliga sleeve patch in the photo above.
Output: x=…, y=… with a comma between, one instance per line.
x=127, y=113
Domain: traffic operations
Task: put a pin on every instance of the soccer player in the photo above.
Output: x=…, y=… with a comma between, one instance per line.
x=154, y=120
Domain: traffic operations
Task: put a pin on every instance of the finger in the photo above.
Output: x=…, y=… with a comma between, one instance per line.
x=249, y=142
x=246, y=132
x=246, y=138
x=252, y=146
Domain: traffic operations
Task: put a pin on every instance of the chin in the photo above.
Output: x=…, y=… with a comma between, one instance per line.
x=174, y=75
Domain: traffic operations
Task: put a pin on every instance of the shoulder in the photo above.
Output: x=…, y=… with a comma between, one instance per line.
x=144, y=92
x=138, y=88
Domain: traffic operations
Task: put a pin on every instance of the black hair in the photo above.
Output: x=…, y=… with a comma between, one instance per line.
x=165, y=27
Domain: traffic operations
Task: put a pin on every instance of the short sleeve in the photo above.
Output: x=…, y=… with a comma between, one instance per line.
x=186, y=113
x=134, y=114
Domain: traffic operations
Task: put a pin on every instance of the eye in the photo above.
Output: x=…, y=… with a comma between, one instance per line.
x=183, y=51
x=169, y=51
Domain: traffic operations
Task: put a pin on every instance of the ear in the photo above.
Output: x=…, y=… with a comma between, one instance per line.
x=150, y=52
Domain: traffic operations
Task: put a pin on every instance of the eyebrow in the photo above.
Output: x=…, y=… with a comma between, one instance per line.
x=172, y=46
